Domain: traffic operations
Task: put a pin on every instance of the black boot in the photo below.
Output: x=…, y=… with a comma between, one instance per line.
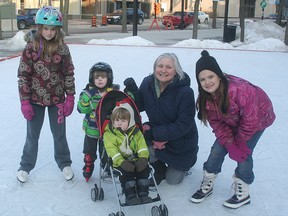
x=130, y=193
x=160, y=172
x=143, y=191
x=88, y=167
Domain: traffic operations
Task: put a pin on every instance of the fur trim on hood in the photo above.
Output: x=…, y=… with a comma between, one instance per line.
x=130, y=110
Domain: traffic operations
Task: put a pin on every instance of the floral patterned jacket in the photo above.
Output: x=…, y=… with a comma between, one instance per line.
x=45, y=81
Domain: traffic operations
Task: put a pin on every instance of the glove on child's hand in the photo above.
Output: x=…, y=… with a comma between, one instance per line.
x=242, y=145
x=244, y=148
x=131, y=85
x=128, y=166
x=68, y=105
x=236, y=154
x=141, y=164
x=27, y=110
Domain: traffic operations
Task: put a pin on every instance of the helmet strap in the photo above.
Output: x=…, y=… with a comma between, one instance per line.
x=40, y=47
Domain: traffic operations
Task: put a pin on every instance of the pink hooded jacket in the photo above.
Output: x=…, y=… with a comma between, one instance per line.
x=250, y=110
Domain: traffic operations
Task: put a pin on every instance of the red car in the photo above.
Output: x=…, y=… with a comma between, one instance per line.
x=176, y=19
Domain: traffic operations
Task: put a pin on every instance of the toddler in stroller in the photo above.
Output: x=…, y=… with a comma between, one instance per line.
x=121, y=128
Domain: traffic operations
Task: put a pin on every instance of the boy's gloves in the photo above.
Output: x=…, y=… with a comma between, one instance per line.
x=235, y=153
x=27, y=110
x=128, y=166
x=130, y=85
x=141, y=164
x=68, y=105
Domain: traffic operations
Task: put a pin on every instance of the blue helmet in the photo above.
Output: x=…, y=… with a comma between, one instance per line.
x=48, y=15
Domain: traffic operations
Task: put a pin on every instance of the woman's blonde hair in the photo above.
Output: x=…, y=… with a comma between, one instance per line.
x=174, y=58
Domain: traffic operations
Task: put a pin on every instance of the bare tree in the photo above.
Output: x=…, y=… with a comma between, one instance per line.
x=124, y=16
x=280, y=10
x=286, y=33
x=65, y=16
x=242, y=20
x=195, y=19
x=61, y=5
x=215, y=3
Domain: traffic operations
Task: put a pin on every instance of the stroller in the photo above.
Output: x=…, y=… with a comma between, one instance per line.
x=103, y=112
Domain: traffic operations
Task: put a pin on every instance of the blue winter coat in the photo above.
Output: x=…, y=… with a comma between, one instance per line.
x=172, y=119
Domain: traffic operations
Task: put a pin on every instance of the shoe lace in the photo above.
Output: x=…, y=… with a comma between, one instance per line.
x=240, y=191
x=206, y=184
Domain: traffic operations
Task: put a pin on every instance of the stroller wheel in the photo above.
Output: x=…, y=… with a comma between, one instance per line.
x=155, y=211
x=111, y=214
x=163, y=210
x=101, y=194
x=120, y=214
x=94, y=194
x=159, y=211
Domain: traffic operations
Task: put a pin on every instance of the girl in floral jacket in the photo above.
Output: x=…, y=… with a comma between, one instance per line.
x=46, y=80
x=238, y=113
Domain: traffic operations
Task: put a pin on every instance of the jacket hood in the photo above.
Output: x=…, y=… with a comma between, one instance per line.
x=128, y=107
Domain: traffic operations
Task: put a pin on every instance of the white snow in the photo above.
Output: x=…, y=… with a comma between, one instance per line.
x=47, y=193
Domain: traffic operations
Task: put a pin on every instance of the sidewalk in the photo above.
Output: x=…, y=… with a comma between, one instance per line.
x=81, y=32
x=162, y=37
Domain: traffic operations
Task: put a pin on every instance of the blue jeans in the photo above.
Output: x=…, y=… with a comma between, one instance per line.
x=58, y=129
x=243, y=171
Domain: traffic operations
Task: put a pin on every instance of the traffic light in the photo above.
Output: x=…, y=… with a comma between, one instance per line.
x=158, y=8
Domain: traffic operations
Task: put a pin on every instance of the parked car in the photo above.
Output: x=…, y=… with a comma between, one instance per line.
x=26, y=18
x=176, y=19
x=274, y=16
x=116, y=16
x=202, y=17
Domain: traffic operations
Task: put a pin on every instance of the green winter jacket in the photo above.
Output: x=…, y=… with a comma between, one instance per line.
x=114, y=139
x=87, y=104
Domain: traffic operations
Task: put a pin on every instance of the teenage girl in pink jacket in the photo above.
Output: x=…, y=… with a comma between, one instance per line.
x=238, y=113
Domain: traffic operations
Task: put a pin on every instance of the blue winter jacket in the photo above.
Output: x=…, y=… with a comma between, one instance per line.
x=172, y=119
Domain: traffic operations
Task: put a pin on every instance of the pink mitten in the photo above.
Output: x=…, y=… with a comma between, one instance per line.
x=27, y=110
x=68, y=105
x=235, y=153
x=159, y=145
x=242, y=145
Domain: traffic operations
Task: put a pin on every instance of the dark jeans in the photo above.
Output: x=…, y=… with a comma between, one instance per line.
x=243, y=171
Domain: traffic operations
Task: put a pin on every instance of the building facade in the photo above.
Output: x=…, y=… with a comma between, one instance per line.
x=88, y=8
